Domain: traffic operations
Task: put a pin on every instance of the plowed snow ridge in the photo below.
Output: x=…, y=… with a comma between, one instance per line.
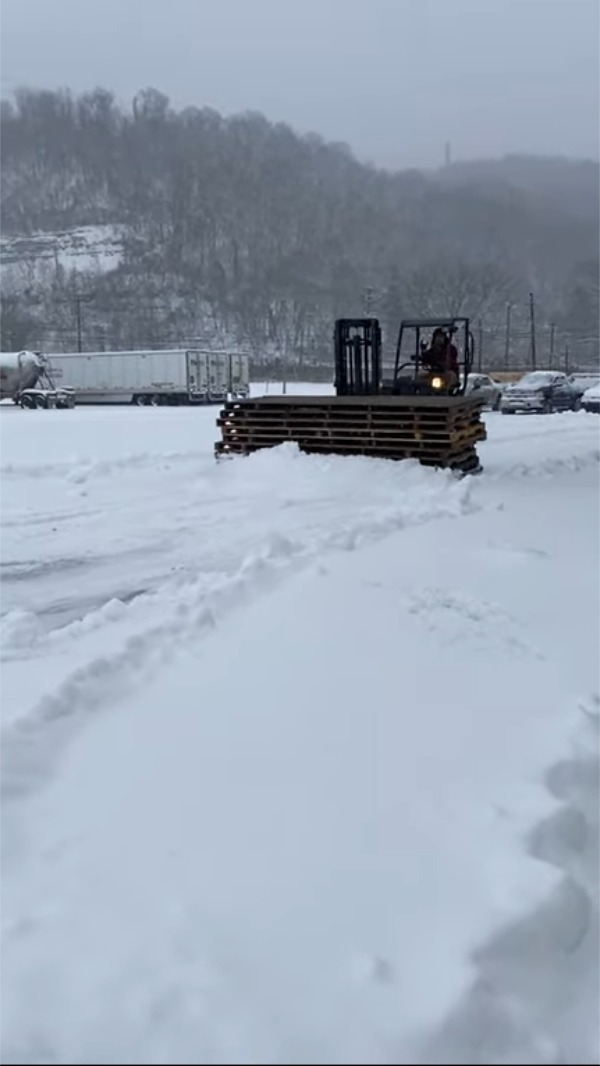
x=189, y=611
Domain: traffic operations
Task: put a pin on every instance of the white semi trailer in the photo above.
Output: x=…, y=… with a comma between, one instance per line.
x=174, y=376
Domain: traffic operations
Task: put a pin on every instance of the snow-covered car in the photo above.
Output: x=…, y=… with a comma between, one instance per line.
x=541, y=392
x=580, y=383
x=487, y=388
x=590, y=401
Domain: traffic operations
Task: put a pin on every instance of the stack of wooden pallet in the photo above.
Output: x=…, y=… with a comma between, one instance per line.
x=436, y=430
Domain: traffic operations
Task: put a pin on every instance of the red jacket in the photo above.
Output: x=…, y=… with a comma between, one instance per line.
x=452, y=358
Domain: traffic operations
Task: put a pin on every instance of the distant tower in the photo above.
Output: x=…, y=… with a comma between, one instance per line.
x=447, y=154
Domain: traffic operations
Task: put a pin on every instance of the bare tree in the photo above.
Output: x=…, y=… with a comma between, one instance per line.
x=454, y=286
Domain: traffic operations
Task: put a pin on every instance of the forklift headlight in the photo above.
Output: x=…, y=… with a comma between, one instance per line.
x=437, y=383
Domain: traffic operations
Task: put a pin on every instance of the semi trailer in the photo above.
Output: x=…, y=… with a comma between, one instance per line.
x=173, y=376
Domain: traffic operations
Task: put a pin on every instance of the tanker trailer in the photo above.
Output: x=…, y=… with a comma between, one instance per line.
x=24, y=379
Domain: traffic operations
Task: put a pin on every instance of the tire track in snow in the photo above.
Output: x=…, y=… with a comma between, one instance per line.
x=31, y=746
x=536, y=997
x=213, y=529
x=209, y=517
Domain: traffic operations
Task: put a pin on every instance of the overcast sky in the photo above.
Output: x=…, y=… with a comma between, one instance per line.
x=394, y=79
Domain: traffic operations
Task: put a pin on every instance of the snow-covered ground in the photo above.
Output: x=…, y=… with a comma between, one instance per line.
x=299, y=754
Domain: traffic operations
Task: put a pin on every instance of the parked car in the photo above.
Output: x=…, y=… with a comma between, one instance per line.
x=581, y=382
x=590, y=401
x=541, y=392
x=487, y=388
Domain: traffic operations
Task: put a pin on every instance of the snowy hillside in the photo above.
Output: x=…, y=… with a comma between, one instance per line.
x=238, y=227
x=299, y=754
x=29, y=260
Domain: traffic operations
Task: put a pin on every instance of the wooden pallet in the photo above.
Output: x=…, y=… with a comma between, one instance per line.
x=436, y=430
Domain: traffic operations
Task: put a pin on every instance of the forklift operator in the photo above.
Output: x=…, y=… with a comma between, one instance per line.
x=441, y=357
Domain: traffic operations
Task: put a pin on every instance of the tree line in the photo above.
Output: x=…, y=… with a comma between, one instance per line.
x=240, y=231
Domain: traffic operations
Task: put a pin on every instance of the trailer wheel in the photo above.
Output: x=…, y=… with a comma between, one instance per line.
x=156, y=400
x=139, y=401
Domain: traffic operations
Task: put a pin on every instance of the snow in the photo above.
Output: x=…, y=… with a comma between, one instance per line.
x=85, y=248
x=299, y=754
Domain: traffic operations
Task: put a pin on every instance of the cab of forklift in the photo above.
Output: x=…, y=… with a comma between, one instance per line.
x=433, y=357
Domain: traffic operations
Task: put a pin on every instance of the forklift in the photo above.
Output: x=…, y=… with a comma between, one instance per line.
x=421, y=411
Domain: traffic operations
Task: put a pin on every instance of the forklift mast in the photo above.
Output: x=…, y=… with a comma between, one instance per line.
x=357, y=356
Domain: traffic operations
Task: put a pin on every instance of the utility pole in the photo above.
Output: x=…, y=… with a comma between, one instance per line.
x=479, y=344
x=81, y=298
x=566, y=358
x=283, y=364
x=552, y=330
x=507, y=337
x=532, y=328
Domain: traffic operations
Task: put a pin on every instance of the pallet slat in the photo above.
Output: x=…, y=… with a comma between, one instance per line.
x=386, y=432
x=301, y=420
x=445, y=403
